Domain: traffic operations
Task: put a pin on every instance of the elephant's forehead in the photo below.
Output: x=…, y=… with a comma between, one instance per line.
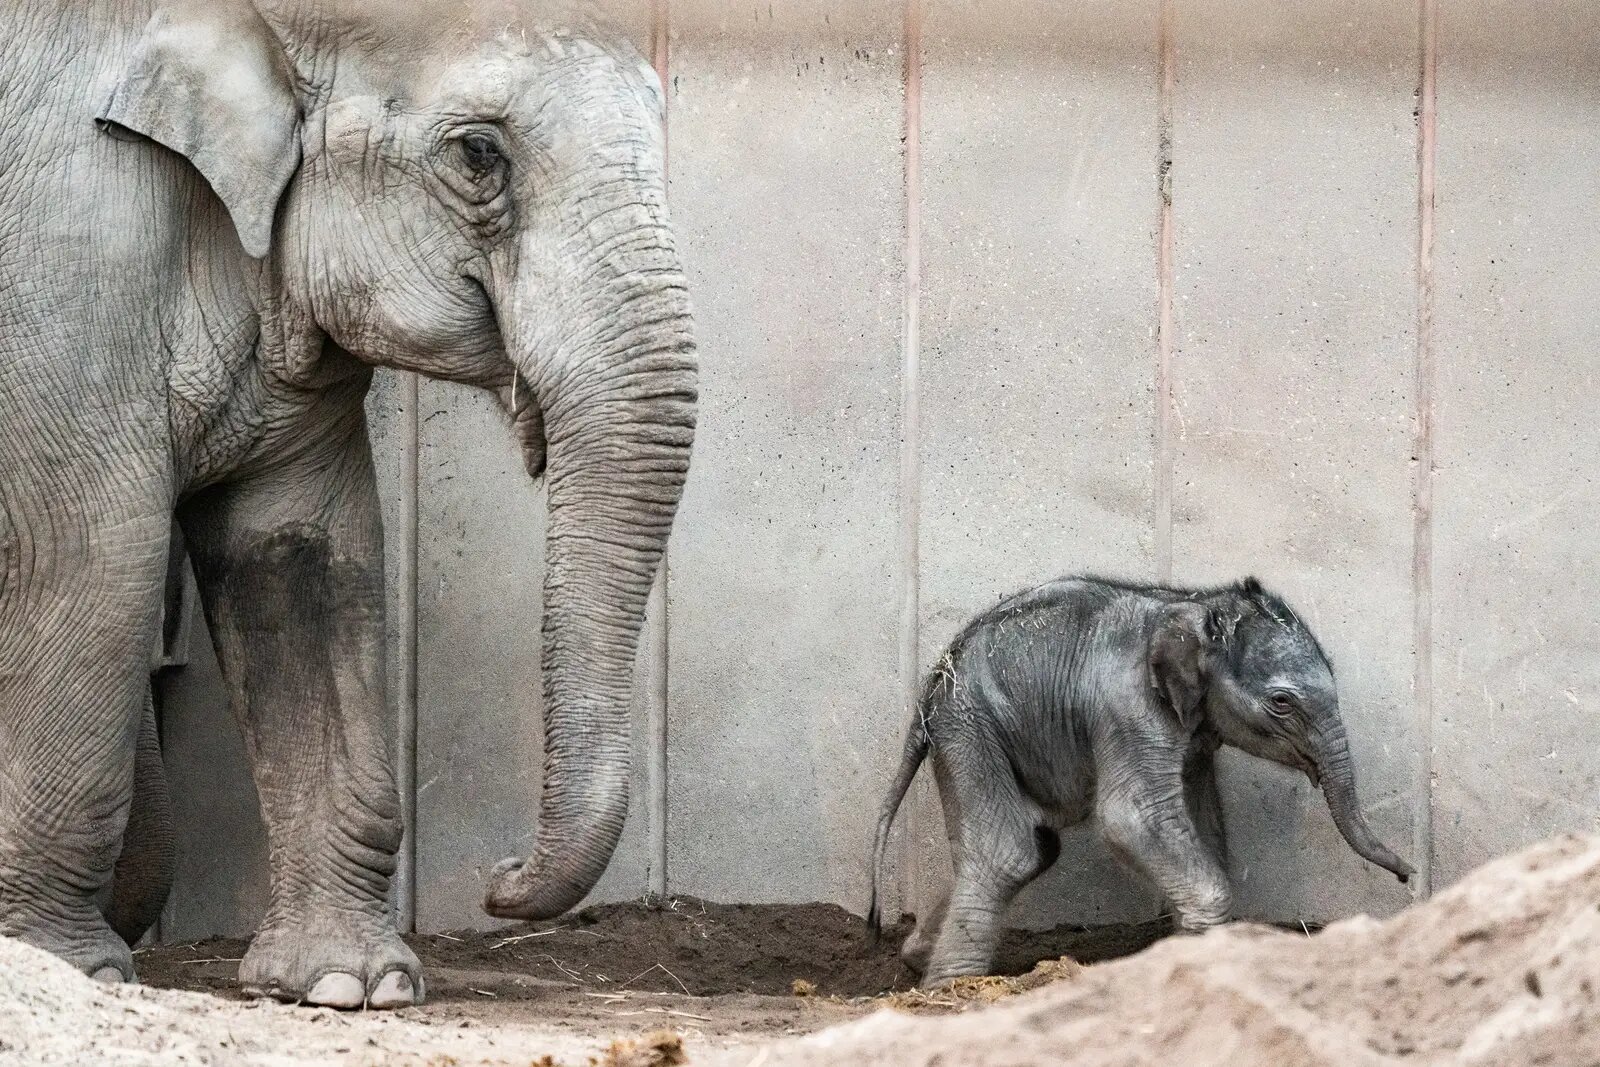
x=509, y=70
x=1294, y=655
x=439, y=34
x=515, y=65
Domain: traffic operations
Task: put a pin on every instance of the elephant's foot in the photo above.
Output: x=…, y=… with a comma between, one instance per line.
x=1215, y=910
x=80, y=937
x=336, y=961
x=939, y=979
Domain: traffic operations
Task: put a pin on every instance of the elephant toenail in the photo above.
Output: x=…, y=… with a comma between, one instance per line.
x=337, y=990
x=108, y=975
x=272, y=992
x=394, y=990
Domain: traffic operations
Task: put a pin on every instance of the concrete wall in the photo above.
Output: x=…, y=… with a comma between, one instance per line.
x=1137, y=287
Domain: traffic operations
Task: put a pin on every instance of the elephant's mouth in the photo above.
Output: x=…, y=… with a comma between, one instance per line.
x=1309, y=766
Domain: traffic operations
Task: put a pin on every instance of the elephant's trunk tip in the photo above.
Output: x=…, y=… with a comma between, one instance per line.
x=515, y=891
x=1339, y=790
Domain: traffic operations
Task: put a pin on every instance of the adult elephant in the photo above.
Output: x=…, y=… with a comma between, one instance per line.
x=216, y=216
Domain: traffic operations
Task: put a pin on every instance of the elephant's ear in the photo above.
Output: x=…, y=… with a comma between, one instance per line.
x=1178, y=659
x=211, y=82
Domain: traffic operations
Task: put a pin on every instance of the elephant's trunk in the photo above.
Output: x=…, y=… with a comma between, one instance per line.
x=615, y=379
x=1339, y=788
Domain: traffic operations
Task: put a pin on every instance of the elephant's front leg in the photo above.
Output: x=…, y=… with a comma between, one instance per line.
x=290, y=564
x=1146, y=819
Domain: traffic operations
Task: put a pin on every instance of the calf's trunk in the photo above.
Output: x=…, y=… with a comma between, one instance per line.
x=1339, y=788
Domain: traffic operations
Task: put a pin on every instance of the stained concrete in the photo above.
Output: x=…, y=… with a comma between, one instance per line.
x=786, y=187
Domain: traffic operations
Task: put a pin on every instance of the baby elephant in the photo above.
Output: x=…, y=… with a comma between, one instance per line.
x=1088, y=697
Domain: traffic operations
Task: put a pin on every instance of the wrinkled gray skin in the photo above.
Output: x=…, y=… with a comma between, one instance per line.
x=215, y=218
x=1088, y=698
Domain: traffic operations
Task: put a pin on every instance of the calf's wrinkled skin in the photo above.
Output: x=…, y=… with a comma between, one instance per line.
x=216, y=216
x=1089, y=698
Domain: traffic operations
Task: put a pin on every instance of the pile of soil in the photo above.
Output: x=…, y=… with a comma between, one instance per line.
x=1503, y=970
x=697, y=947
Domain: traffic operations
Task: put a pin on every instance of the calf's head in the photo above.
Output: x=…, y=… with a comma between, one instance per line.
x=1241, y=660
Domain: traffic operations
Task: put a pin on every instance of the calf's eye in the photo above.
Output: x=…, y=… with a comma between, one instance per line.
x=1281, y=703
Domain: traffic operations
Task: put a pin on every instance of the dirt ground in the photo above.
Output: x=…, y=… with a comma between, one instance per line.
x=1500, y=970
x=714, y=969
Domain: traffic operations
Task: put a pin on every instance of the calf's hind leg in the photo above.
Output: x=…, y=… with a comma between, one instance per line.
x=998, y=846
x=918, y=945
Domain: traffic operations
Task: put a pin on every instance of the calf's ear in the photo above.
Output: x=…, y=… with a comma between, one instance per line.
x=210, y=81
x=1178, y=660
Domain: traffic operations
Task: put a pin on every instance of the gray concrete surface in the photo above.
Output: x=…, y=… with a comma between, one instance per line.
x=786, y=182
x=1517, y=560
x=1292, y=406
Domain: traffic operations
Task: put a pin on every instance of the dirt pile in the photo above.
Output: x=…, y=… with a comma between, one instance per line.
x=684, y=945
x=1502, y=970
x=693, y=946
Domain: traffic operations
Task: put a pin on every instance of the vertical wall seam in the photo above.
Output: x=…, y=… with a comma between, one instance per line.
x=1165, y=446
x=656, y=715
x=910, y=391
x=406, y=626
x=1422, y=454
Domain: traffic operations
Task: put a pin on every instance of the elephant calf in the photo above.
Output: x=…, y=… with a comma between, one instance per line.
x=1086, y=697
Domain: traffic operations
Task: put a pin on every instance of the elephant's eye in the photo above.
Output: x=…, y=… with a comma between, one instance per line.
x=1280, y=703
x=480, y=152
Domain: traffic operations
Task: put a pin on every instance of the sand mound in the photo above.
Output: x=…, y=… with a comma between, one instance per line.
x=51, y=1014
x=1502, y=970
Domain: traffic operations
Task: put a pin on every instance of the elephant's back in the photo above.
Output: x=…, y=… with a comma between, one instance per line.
x=1054, y=606
x=1041, y=647
x=1014, y=649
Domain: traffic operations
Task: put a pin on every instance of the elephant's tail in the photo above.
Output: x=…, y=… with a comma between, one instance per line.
x=939, y=685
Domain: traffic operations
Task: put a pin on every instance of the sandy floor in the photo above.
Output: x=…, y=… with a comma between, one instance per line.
x=1502, y=970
